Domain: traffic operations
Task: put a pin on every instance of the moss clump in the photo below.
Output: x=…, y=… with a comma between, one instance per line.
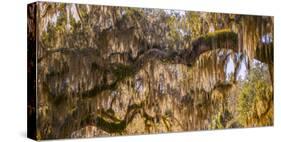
x=219, y=37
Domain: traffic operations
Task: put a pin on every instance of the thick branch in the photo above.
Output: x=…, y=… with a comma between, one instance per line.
x=112, y=125
x=224, y=39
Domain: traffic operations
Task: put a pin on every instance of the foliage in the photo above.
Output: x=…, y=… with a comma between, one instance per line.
x=255, y=103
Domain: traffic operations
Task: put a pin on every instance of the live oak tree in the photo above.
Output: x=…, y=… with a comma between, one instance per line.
x=114, y=70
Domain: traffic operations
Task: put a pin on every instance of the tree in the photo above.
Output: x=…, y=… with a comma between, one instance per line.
x=108, y=67
x=256, y=99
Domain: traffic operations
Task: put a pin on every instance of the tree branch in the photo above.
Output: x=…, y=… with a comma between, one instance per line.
x=224, y=39
x=112, y=125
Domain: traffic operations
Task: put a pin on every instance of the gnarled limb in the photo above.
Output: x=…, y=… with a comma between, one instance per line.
x=224, y=39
